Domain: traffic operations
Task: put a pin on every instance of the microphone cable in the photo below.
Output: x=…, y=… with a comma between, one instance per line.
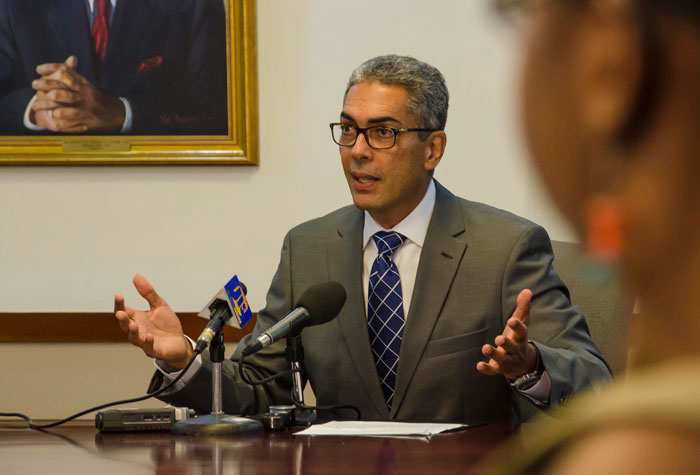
x=34, y=426
x=297, y=403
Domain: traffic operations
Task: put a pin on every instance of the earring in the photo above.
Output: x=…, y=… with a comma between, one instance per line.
x=604, y=229
x=604, y=239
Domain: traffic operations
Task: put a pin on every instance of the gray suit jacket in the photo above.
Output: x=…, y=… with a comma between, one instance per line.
x=475, y=261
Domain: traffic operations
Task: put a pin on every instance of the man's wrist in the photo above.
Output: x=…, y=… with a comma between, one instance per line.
x=29, y=116
x=528, y=379
x=537, y=367
x=182, y=362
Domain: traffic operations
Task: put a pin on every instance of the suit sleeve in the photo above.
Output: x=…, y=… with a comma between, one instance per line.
x=13, y=99
x=239, y=397
x=557, y=329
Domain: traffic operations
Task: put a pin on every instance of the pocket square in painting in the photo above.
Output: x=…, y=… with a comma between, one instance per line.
x=150, y=63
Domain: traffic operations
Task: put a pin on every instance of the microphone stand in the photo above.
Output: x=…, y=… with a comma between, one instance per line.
x=217, y=423
x=294, y=353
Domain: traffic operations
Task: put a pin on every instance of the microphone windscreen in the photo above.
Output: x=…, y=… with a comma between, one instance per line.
x=323, y=301
x=243, y=287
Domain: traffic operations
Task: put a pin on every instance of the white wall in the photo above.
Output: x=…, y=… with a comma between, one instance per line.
x=71, y=237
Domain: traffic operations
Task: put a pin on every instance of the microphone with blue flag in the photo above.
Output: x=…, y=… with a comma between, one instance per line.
x=228, y=307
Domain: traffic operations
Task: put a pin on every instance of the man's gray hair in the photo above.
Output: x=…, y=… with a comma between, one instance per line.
x=427, y=92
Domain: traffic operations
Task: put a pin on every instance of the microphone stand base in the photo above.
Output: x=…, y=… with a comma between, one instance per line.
x=304, y=417
x=217, y=424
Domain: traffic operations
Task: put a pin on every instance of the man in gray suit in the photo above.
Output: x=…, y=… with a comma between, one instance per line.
x=454, y=312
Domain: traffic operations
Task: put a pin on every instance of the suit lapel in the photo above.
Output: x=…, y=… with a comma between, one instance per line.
x=441, y=256
x=345, y=262
x=69, y=22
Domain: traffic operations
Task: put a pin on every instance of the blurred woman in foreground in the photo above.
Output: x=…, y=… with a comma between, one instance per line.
x=611, y=104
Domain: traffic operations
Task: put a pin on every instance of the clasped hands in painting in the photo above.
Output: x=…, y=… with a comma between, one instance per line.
x=67, y=102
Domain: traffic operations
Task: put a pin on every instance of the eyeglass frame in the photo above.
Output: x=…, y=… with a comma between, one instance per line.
x=363, y=131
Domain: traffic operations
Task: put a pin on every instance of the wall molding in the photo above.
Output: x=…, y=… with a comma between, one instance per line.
x=86, y=327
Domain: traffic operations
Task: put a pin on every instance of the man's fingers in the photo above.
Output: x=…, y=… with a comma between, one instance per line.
x=65, y=76
x=67, y=113
x=147, y=346
x=58, y=95
x=48, y=68
x=497, y=354
x=46, y=84
x=119, y=303
x=68, y=76
x=123, y=319
x=490, y=368
x=134, y=336
x=71, y=61
x=71, y=129
x=44, y=105
x=509, y=346
x=123, y=313
x=518, y=330
x=522, y=310
x=67, y=125
x=46, y=120
x=147, y=291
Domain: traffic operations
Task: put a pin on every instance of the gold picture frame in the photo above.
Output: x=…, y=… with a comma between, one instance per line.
x=238, y=147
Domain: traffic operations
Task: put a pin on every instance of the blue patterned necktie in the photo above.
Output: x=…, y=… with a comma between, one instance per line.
x=385, y=311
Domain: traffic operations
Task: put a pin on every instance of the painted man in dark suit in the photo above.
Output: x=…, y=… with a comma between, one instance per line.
x=162, y=69
x=484, y=321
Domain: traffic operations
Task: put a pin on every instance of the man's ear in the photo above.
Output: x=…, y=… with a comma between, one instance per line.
x=434, y=149
x=610, y=73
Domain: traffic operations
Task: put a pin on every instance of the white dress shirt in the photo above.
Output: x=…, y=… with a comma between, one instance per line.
x=406, y=257
x=91, y=6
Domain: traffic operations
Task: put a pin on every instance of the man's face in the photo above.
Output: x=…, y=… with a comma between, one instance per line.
x=389, y=183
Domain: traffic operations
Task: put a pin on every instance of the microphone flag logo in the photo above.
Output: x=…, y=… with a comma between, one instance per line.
x=237, y=301
x=233, y=294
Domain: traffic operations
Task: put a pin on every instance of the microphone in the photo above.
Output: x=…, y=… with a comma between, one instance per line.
x=319, y=304
x=229, y=301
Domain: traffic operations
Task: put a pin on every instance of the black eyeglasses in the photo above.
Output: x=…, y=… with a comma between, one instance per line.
x=379, y=137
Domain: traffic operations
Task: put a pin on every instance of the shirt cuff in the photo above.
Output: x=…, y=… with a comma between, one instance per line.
x=126, y=126
x=170, y=372
x=128, y=116
x=539, y=393
x=28, y=123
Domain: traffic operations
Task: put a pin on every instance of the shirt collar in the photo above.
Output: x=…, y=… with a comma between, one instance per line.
x=91, y=3
x=414, y=226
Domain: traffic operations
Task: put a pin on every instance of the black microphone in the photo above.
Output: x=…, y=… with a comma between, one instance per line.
x=220, y=311
x=319, y=304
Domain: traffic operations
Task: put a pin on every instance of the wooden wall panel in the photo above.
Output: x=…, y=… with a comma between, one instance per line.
x=88, y=327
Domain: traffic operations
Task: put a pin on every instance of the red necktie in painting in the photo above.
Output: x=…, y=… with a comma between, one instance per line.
x=100, y=28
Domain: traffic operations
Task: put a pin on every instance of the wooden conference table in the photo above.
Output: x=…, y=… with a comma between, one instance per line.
x=80, y=448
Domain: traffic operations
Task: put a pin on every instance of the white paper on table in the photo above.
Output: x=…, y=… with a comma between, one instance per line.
x=379, y=428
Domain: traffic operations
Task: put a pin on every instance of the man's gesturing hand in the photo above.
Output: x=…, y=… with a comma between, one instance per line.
x=157, y=331
x=513, y=355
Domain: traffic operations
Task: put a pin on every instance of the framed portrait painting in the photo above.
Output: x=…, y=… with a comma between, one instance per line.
x=128, y=82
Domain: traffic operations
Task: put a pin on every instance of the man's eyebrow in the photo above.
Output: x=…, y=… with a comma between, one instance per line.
x=376, y=120
x=380, y=120
x=345, y=115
